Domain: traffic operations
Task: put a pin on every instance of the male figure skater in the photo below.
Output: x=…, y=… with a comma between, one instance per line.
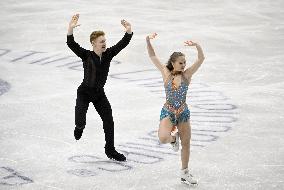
x=96, y=65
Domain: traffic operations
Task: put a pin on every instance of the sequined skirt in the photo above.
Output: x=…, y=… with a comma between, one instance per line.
x=182, y=114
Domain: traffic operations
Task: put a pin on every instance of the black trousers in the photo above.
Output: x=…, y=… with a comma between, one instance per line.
x=97, y=96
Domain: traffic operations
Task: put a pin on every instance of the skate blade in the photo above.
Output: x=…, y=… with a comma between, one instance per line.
x=112, y=159
x=183, y=181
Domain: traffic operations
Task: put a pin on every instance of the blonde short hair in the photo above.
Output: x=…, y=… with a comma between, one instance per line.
x=94, y=35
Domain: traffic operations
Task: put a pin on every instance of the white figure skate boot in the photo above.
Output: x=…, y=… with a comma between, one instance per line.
x=187, y=178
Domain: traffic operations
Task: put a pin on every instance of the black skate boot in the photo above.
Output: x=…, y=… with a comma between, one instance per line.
x=113, y=154
x=78, y=131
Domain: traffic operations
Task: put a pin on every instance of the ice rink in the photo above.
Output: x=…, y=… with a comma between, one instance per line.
x=236, y=97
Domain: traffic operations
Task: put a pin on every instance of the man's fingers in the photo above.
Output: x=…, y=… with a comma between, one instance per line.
x=75, y=17
x=125, y=23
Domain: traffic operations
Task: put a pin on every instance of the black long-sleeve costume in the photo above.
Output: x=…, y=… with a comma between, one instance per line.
x=92, y=88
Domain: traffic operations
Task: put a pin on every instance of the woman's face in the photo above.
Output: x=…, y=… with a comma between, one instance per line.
x=100, y=43
x=179, y=64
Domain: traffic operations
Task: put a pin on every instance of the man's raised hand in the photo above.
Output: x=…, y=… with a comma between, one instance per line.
x=126, y=25
x=74, y=21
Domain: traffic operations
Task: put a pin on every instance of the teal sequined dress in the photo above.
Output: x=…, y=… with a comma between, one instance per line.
x=175, y=107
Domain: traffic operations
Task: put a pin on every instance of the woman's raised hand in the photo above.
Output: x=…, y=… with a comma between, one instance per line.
x=151, y=36
x=190, y=43
x=126, y=25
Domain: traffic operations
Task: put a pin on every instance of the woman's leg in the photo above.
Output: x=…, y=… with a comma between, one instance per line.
x=185, y=136
x=184, y=129
x=165, y=129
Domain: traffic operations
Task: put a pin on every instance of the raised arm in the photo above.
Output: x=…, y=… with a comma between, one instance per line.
x=74, y=46
x=124, y=41
x=152, y=55
x=191, y=70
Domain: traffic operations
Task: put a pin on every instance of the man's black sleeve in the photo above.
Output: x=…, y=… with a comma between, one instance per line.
x=114, y=50
x=75, y=47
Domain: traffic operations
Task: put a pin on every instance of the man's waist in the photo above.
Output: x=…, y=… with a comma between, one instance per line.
x=92, y=86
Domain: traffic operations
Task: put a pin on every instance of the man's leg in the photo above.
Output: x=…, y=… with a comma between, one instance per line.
x=82, y=104
x=103, y=108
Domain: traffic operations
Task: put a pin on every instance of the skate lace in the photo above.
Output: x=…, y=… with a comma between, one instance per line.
x=188, y=175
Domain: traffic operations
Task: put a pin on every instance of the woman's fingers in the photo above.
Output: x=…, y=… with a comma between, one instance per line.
x=152, y=36
x=189, y=43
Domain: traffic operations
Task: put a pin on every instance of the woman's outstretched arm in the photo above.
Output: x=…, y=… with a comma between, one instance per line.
x=191, y=70
x=152, y=54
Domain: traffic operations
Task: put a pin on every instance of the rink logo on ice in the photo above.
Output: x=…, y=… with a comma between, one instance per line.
x=44, y=58
x=212, y=113
x=146, y=150
x=95, y=164
x=10, y=177
x=4, y=87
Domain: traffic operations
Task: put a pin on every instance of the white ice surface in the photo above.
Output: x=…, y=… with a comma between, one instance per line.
x=236, y=98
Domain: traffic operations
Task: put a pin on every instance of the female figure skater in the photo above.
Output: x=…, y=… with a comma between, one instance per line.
x=175, y=112
x=96, y=65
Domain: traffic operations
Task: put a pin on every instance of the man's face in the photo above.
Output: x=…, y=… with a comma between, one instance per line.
x=100, y=43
